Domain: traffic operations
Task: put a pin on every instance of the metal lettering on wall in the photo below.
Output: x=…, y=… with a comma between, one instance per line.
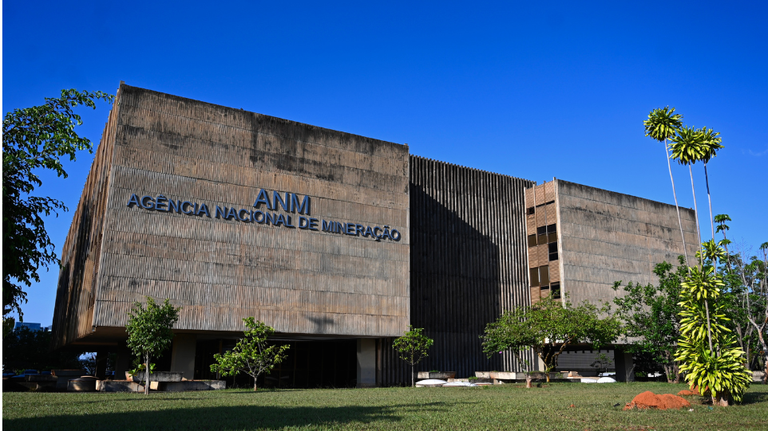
x=290, y=204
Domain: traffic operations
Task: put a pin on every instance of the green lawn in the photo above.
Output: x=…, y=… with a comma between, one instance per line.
x=499, y=407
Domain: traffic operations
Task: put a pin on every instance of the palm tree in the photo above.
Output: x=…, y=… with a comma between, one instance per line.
x=687, y=149
x=663, y=123
x=710, y=141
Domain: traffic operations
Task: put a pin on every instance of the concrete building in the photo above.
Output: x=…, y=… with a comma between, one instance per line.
x=582, y=239
x=337, y=241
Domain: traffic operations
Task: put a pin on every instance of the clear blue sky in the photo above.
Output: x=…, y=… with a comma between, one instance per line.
x=529, y=89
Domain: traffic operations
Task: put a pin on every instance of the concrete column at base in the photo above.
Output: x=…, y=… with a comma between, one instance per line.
x=183, y=355
x=624, y=366
x=366, y=362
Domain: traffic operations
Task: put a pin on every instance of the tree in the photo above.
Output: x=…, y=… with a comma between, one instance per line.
x=663, y=123
x=23, y=348
x=746, y=296
x=709, y=356
x=649, y=314
x=687, y=149
x=413, y=346
x=252, y=354
x=549, y=327
x=149, y=331
x=35, y=138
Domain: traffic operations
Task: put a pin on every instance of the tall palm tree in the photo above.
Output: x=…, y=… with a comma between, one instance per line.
x=688, y=148
x=711, y=142
x=663, y=123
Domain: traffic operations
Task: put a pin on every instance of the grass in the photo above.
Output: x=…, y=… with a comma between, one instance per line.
x=498, y=407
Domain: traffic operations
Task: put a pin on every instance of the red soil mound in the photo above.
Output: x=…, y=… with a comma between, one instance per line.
x=649, y=400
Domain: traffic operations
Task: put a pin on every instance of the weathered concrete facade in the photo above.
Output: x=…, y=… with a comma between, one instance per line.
x=140, y=229
x=600, y=237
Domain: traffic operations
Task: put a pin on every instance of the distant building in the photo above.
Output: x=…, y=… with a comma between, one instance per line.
x=34, y=327
x=338, y=241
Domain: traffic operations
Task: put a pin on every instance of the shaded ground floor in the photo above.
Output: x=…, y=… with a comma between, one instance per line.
x=311, y=362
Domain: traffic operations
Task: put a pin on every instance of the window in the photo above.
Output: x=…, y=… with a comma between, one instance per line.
x=545, y=235
x=552, y=233
x=552, y=251
x=544, y=274
x=531, y=210
x=534, y=277
x=555, y=290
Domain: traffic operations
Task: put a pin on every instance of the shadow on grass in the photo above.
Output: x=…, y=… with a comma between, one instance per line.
x=228, y=418
x=758, y=394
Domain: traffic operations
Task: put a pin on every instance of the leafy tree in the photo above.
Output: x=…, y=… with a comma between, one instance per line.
x=650, y=319
x=35, y=138
x=662, y=124
x=413, y=346
x=252, y=354
x=707, y=350
x=687, y=149
x=549, y=327
x=746, y=296
x=149, y=331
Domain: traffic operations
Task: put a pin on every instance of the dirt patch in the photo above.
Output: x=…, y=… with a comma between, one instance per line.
x=689, y=392
x=649, y=400
x=695, y=391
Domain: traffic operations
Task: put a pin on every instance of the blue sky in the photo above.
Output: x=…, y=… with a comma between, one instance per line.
x=529, y=89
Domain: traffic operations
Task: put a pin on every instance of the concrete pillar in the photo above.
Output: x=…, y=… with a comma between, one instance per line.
x=183, y=355
x=366, y=362
x=624, y=366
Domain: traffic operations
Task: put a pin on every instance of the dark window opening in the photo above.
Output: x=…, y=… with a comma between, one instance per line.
x=534, y=277
x=555, y=290
x=531, y=210
x=552, y=251
x=531, y=240
x=552, y=228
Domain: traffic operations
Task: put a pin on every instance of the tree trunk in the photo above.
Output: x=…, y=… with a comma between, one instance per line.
x=709, y=328
x=146, y=374
x=723, y=399
x=413, y=378
x=674, y=194
x=696, y=214
x=255, y=388
x=709, y=198
x=528, y=380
